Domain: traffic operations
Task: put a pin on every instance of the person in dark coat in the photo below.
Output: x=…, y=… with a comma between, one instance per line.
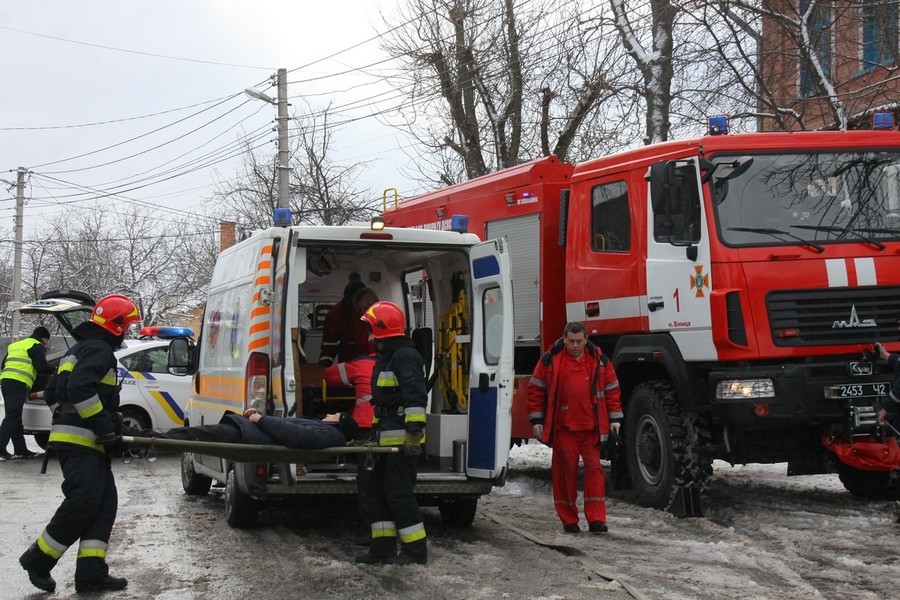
x=335, y=429
x=84, y=398
x=25, y=360
x=400, y=396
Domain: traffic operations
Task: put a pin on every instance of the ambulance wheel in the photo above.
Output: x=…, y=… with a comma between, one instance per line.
x=863, y=484
x=42, y=439
x=241, y=511
x=660, y=445
x=193, y=484
x=458, y=513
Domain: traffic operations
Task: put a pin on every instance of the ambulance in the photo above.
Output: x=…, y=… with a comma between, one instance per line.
x=259, y=347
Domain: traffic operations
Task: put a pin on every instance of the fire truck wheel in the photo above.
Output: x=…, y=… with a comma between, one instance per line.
x=241, y=511
x=863, y=484
x=458, y=513
x=193, y=484
x=660, y=445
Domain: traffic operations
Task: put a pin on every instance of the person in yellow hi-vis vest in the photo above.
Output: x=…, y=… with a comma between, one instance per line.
x=84, y=398
x=25, y=360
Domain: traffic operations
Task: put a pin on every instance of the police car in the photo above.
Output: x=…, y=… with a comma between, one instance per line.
x=150, y=396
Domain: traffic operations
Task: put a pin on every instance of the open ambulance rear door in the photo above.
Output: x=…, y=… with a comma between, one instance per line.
x=491, y=371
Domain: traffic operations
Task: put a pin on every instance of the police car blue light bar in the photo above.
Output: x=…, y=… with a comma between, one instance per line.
x=883, y=120
x=718, y=125
x=166, y=333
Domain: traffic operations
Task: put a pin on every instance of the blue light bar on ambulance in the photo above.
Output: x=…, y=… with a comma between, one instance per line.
x=459, y=223
x=166, y=333
x=883, y=120
x=281, y=217
x=718, y=125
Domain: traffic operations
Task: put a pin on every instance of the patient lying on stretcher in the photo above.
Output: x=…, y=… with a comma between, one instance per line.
x=335, y=429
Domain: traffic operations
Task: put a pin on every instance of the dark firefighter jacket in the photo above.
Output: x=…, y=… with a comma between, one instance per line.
x=398, y=391
x=84, y=393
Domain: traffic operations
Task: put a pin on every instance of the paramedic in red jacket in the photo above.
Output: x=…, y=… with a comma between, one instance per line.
x=573, y=404
x=358, y=373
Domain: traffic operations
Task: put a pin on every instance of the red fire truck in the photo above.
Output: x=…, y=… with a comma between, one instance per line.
x=737, y=282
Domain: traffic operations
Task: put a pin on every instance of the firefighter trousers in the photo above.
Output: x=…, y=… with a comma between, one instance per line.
x=568, y=446
x=392, y=503
x=87, y=514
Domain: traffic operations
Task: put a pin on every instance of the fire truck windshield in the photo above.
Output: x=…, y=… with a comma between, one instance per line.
x=820, y=197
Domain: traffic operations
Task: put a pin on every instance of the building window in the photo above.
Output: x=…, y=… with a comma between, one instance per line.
x=610, y=219
x=879, y=32
x=819, y=26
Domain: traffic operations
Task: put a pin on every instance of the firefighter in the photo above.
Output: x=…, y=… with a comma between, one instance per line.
x=573, y=404
x=25, y=360
x=399, y=396
x=84, y=396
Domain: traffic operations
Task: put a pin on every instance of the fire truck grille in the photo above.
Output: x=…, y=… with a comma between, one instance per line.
x=857, y=315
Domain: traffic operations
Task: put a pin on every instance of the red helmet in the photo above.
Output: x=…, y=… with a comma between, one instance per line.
x=115, y=313
x=386, y=320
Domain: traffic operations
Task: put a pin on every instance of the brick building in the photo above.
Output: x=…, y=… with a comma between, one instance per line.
x=856, y=44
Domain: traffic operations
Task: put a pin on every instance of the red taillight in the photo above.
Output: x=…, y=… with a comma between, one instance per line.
x=761, y=409
x=257, y=379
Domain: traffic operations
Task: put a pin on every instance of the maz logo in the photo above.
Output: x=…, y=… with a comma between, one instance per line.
x=854, y=321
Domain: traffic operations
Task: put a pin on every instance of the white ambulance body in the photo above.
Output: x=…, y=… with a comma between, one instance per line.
x=260, y=341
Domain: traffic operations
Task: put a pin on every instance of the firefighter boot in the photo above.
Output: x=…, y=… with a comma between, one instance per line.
x=414, y=553
x=38, y=566
x=382, y=550
x=107, y=582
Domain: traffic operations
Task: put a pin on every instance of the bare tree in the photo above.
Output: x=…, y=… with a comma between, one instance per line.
x=322, y=192
x=163, y=268
x=496, y=84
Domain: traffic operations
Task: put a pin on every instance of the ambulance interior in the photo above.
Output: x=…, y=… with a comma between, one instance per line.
x=430, y=286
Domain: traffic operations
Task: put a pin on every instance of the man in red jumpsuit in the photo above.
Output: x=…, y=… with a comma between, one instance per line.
x=573, y=404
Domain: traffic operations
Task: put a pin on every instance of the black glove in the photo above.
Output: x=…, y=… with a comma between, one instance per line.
x=107, y=438
x=412, y=444
x=118, y=422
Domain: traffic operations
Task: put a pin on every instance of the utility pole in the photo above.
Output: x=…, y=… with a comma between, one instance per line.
x=284, y=169
x=17, y=263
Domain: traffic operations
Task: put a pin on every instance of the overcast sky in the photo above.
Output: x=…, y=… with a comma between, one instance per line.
x=71, y=67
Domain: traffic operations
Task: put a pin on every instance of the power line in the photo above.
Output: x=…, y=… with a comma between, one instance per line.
x=167, y=57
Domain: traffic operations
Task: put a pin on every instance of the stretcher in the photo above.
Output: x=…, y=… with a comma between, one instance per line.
x=253, y=452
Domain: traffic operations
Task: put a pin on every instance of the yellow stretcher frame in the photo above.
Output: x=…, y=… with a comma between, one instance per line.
x=244, y=453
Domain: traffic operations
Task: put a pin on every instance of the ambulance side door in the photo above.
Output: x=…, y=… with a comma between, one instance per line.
x=491, y=370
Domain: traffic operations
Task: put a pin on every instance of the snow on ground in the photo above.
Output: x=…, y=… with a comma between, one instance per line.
x=763, y=535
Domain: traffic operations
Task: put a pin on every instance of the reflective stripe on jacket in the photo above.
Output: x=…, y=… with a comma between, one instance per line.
x=85, y=389
x=543, y=390
x=398, y=391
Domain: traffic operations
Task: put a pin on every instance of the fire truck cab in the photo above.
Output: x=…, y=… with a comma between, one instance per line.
x=736, y=281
